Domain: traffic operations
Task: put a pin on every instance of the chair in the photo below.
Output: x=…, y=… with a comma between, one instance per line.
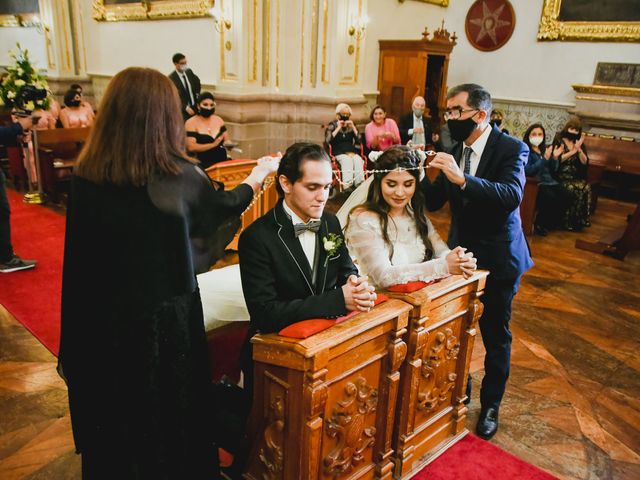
x=56, y=155
x=335, y=166
x=528, y=205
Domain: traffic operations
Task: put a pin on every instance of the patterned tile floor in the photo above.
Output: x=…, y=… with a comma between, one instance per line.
x=572, y=405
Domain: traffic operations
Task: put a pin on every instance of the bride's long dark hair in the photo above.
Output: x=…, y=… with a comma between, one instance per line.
x=398, y=156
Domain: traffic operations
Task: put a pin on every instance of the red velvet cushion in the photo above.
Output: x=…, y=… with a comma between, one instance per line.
x=306, y=328
x=408, y=287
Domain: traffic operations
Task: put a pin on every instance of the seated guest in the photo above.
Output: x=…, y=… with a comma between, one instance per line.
x=497, y=120
x=206, y=133
x=551, y=202
x=391, y=237
x=414, y=127
x=78, y=88
x=290, y=271
x=142, y=221
x=74, y=115
x=381, y=132
x=342, y=136
x=571, y=154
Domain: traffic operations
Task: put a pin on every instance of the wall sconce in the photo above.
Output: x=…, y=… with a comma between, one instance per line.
x=358, y=26
x=33, y=21
x=220, y=21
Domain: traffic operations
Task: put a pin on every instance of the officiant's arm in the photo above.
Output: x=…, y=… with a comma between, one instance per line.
x=435, y=192
x=268, y=312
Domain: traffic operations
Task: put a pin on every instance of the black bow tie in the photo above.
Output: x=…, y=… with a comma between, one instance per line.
x=312, y=226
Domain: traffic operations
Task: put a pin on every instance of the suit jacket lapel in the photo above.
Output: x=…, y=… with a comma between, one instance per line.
x=487, y=152
x=321, y=264
x=292, y=244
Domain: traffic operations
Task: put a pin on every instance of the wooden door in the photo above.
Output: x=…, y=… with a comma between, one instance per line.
x=401, y=77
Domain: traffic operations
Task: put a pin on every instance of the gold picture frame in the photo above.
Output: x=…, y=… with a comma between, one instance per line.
x=552, y=28
x=441, y=3
x=150, y=10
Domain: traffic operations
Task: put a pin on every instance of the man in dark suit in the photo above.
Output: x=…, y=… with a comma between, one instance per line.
x=415, y=126
x=187, y=83
x=483, y=180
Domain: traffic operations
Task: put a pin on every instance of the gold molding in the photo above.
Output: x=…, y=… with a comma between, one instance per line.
x=9, y=21
x=254, y=69
x=266, y=41
x=313, y=64
x=552, y=28
x=607, y=90
x=440, y=3
x=302, y=45
x=278, y=44
x=150, y=10
x=325, y=21
x=607, y=99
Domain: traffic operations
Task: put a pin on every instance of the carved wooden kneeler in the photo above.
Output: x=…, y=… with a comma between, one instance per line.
x=324, y=406
x=430, y=416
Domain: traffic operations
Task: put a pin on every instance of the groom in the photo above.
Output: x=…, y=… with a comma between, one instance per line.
x=288, y=273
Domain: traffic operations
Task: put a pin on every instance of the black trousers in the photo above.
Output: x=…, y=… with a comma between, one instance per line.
x=496, y=336
x=6, y=249
x=552, y=206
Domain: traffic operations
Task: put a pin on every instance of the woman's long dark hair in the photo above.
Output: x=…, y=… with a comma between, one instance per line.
x=398, y=156
x=525, y=137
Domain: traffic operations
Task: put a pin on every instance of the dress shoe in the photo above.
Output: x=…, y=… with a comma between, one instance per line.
x=487, y=423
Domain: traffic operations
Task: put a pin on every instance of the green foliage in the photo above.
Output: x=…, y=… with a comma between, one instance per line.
x=20, y=76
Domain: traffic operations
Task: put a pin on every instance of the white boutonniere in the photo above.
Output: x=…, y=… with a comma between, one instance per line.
x=331, y=243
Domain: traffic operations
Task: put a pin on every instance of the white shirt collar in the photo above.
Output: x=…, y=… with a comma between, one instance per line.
x=481, y=141
x=295, y=219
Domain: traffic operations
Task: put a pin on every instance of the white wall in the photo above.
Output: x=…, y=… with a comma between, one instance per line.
x=29, y=39
x=522, y=69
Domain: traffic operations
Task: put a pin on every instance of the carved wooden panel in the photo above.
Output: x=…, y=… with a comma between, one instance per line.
x=430, y=416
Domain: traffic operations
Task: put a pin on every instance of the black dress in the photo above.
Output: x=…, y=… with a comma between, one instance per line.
x=133, y=346
x=208, y=157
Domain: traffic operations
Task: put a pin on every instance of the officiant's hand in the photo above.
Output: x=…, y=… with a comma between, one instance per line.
x=447, y=163
x=358, y=294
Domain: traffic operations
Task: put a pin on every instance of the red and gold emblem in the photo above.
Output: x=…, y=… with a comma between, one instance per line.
x=489, y=24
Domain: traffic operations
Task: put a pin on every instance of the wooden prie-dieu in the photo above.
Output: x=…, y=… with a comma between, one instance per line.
x=430, y=414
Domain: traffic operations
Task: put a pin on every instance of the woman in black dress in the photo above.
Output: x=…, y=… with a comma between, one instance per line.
x=206, y=133
x=573, y=162
x=142, y=221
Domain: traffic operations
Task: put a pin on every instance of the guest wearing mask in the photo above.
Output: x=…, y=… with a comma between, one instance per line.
x=414, y=127
x=342, y=139
x=381, y=132
x=206, y=133
x=552, y=201
x=187, y=83
x=569, y=151
x=497, y=120
x=73, y=115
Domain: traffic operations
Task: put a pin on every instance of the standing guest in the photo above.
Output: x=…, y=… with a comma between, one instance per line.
x=9, y=261
x=415, y=127
x=497, y=120
x=73, y=115
x=483, y=180
x=381, y=132
x=571, y=153
x=187, y=83
x=552, y=201
x=142, y=221
x=206, y=133
x=342, y=138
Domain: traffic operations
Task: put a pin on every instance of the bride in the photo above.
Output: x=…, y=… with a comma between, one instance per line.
x=386, y=230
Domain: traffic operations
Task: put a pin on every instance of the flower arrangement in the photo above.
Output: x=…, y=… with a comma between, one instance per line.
x=21, y=79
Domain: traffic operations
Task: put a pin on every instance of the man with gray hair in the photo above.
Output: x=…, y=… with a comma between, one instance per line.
x=414, y=126
x=483, y=181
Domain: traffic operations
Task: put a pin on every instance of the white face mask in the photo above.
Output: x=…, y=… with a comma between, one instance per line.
x=184, y=68
x=535, y=140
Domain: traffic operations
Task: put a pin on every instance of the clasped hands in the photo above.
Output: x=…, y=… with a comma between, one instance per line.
x=447, y=163
x=461, y=262
x=358, y=294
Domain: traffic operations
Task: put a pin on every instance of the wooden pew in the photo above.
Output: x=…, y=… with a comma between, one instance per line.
x=56, y=154
x=430, y=416
x=232, y=173
x=323, y=407
x=528, y=205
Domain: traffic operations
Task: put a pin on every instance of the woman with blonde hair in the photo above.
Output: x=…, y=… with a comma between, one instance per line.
x=142, y=221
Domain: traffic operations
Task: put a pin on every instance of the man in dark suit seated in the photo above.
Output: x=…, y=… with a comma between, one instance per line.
x=289, y=270
x=483, y=180
x=415, y=126
x=187, y=83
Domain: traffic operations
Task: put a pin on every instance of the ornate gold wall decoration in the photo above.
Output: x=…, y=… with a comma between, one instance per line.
x=107, y=11
x=553, y=28
x=442, y=3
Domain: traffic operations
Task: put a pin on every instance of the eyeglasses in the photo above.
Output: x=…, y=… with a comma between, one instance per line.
x=456, y=113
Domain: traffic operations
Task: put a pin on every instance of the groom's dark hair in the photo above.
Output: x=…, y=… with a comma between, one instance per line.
x=294, y=157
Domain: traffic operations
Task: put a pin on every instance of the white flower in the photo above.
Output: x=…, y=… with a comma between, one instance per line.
x=329, y=245
x=20, y=71
x=19, y=83
x=11, y=94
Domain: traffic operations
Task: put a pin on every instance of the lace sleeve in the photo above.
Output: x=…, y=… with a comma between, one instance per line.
x=440, y=248
x=365, y=242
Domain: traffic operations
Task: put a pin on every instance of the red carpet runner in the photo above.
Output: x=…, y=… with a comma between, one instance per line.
x=33, y=296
